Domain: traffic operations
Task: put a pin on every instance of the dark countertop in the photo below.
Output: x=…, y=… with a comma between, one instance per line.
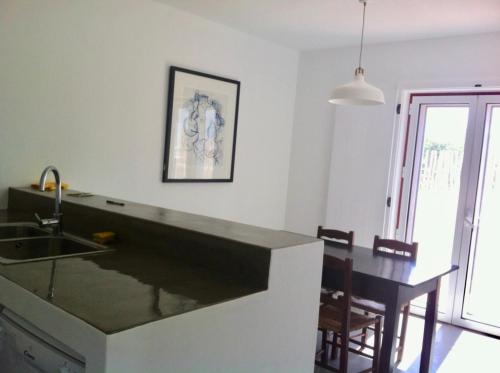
x=244, y=233
x=124, y=289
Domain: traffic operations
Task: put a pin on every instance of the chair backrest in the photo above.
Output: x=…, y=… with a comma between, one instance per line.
x=345, y=268
x=395, y=249
x=333, y=234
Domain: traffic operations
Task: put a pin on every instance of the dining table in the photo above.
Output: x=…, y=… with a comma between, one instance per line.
x=392, y=282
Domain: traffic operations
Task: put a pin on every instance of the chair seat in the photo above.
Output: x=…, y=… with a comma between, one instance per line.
x=330, y=318
x=361, y=303
x=368, y=305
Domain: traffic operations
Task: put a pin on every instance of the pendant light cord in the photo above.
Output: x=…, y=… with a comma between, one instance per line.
x=362, y=35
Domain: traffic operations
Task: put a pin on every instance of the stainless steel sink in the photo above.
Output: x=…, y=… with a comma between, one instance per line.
x=20, y=230
x=35, y=249
x=25, y=242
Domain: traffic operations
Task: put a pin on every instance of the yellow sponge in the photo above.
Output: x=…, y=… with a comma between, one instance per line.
x=50, y=186
x=103, y=237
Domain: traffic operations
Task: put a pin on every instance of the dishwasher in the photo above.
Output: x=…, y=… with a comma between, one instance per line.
x=26, y=349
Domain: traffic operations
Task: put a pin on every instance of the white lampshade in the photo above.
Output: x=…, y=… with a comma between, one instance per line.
x=357, y=92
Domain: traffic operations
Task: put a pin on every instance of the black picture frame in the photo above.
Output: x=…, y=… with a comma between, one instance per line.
x=174, y=70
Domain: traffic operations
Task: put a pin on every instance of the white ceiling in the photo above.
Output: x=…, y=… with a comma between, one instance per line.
x=312, y=24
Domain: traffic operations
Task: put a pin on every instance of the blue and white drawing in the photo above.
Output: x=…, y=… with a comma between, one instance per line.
x=204, y=127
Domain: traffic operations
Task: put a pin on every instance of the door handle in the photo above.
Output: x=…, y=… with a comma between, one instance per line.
x=469, y=220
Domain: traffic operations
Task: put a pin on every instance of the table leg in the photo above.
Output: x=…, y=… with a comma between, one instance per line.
x=431, y=314
x=391, y=326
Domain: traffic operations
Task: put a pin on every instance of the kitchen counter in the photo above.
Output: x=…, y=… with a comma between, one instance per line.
x=228, y=230
x=118, y=291
x=124, y=289
x=175, y=283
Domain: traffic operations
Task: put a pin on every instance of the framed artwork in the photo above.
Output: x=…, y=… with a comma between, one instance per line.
x=202, y=118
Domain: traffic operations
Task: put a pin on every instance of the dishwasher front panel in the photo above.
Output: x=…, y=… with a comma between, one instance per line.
x=12, y=362
x=19, y=347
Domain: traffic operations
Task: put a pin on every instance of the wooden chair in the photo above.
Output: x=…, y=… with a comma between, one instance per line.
x=336, y=235
x=397, y=250
x=336, y=315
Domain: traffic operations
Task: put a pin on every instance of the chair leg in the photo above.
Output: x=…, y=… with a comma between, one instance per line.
x=344, y=352
x=364, y=335
x=376, y=344
x=402, y=338
x=334, y=347
x=324, y=347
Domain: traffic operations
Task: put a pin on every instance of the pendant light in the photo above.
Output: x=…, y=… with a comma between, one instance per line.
x=358, y=92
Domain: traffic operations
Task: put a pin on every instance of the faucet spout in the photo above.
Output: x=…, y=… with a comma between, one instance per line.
x=56, y=222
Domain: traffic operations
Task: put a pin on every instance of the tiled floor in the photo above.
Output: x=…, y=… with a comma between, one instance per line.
x=456, y=351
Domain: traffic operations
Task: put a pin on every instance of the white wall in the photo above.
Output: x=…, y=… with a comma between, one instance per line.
x=311, y=146
x=359, y=161
x=83, y=85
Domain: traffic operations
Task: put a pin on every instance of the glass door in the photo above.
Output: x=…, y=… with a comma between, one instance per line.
x=476, y=304
x=450, y=201
x=438, y=152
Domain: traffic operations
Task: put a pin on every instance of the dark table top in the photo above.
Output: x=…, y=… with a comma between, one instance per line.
x=124, y=289
x=400, y=271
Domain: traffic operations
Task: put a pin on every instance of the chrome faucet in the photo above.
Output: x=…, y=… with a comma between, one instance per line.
x=56, y=222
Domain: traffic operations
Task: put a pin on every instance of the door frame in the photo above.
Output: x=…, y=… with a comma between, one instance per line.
x=404, y=93
x=401, y=170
